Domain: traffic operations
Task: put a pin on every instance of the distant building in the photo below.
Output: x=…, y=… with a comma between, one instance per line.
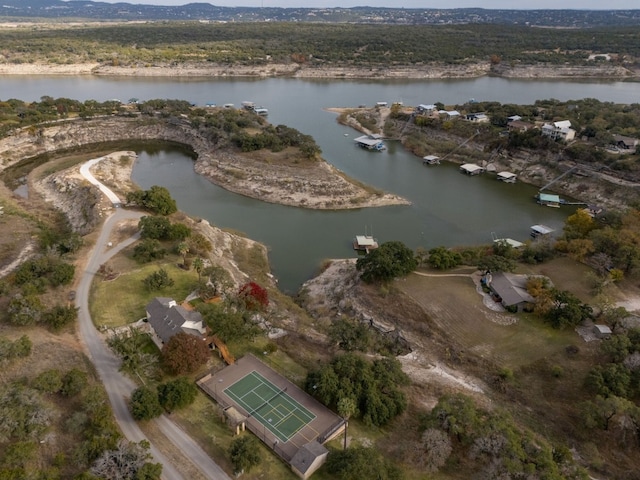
x=519, y=126
x=477, y=117
x=559, y=130
x=510, y=290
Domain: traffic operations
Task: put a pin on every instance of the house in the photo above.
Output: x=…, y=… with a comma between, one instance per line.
x=477, y=117
x=425, y=109
x=514, y=118
x=510, y=289
x=519, y=126
x=450, y=114
x=308, y=459
x=382, y=104
x=167, y=319
x=625, y=144
x=559, y=130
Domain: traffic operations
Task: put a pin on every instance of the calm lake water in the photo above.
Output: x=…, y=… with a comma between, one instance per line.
x=448, y=208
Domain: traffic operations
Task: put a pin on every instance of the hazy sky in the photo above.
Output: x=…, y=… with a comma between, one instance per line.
x=490, y=4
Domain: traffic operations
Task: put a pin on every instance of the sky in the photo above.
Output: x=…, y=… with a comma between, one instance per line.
x=489, y=4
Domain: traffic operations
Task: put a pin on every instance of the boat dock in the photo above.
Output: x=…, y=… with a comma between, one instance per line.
x=364, y=243
x=541, y=230
x=507, y=177
x=370, y=142
x=471, y=169
x=430, y=160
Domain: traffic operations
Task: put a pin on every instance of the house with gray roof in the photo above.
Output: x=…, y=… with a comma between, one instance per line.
x=511, y=290
x=308, y=459
x=167, y=318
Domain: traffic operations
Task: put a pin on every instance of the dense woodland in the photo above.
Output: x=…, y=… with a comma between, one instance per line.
x=316, y=44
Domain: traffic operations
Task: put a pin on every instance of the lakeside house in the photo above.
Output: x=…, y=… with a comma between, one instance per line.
x=559, y=130
x=477, y=117
x=510, y=290
x=625, y=144
x=167, y=319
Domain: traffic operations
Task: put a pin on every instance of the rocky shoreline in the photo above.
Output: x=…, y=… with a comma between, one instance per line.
x=317, y=185
x=295, y=70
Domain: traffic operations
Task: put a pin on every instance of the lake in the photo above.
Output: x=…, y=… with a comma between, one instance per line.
x=448, y=208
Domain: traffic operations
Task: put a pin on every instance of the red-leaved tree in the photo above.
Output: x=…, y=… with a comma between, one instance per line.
x=254, y=296
x=184, y=353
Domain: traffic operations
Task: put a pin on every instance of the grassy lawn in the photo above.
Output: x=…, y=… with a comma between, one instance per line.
x=123, y=300
x=453, y=304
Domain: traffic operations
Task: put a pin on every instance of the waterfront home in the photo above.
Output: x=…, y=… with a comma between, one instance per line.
x=471, y=169
x=431, y=160
x=507, y=177
x=450, y=114
x=625, y=144
x=548, y=200
x=425, y=109
x=370, y=142
x=510, y=290
x=477, y=117
x=559, y=130
x=167, y=319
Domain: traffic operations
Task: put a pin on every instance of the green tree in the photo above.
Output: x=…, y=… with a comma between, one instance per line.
x=361, y=463
x=443, y=258
x=184, y=353
x=183, y=250
x=610, y=380
x=567, y=310
x=390, y=260
x=157, y=200
x=148, y=250
x=144, y=404
x=158, y=280
x=176, y=394
x=73, y=382
x=346, y=407
x=154, y=227
x=49, y=381
x=350, y=334
x=198, y=266
x=59, y=316
x=25, y=310
x=496, y=263
x=244, y=454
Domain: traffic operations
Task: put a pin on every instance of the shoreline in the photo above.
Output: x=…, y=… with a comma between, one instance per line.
x=294, y=70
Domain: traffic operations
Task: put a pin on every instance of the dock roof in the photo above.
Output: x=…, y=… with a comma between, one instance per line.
x=368, y=140
x=471, y=167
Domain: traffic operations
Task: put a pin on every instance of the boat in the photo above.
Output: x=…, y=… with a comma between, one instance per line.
x=430, y=160
x=507, y=177
x=364, y=243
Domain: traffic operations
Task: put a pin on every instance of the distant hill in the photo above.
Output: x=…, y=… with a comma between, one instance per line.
x=85, y=9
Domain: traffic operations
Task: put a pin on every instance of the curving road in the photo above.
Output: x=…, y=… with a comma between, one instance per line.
x=118, y=386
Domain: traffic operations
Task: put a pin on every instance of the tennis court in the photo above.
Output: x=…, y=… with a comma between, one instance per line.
x=271, y=406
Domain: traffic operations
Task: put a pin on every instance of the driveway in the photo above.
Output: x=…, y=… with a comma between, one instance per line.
x=118, y=386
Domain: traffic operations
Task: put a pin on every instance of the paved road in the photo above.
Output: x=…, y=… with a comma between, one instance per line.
x=118, y=386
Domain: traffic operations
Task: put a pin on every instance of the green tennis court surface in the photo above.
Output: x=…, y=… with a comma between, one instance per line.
x=271, y=406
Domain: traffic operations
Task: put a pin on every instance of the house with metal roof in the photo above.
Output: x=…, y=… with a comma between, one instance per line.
x=510, y=289
x=559, y=130
x=167, y=319
x=548, y=199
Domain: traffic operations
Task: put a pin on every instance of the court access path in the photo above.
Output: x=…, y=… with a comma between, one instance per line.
x=118, y=386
